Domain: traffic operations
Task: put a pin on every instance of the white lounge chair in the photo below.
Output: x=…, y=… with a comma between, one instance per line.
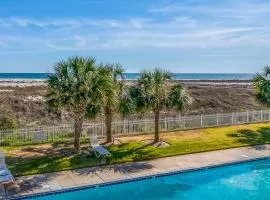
x=2, y=160
x=2, y=163
x=98, y=149
x=5, y=174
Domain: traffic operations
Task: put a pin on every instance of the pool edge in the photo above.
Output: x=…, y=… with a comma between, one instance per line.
x=127, y=180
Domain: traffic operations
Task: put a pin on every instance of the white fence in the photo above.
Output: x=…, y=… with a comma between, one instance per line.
x=126, y=127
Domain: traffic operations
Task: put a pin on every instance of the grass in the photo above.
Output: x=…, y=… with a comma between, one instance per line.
x=26, y=160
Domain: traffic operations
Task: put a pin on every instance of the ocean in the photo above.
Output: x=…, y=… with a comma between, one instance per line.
x=134, y=76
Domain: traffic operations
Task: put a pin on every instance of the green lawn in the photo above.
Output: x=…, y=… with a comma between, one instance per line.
x=25, y=160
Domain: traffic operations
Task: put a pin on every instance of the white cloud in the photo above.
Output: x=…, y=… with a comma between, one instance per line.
x=69, y=22
x=234, y=9
x=175, y=26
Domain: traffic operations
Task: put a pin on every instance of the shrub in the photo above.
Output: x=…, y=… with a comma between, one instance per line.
x=8, y=122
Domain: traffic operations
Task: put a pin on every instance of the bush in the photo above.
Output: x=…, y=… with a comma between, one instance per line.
x=8, y=122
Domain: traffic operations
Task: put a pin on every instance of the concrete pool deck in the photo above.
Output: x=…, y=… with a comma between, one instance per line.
x=28, y=185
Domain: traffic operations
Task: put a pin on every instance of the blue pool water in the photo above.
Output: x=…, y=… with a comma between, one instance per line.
x=245, y=181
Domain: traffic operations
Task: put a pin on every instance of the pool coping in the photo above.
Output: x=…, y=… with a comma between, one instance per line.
x=127, y=180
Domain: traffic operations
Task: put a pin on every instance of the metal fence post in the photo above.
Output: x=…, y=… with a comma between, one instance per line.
x=165, y=121
x=102, y=129
x=64, y=132
x=179, y=120
x=184, y=120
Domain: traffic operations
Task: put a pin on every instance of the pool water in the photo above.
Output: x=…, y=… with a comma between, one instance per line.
x=234, y=182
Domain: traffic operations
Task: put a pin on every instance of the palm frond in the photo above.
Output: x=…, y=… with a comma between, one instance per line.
x=126, y=102
x=179, y=98
x=262, y=83
x=154, y=86
x=266, y=71
x=72, y=83
x=92, y=111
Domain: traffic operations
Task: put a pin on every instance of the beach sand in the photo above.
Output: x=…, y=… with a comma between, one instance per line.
x=38, y=82
x=21, y=82
x=25, y=99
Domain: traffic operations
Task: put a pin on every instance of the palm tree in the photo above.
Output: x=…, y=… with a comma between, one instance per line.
x=155, y=92
x=75, y=87
x=262, y=84
x=114, y=98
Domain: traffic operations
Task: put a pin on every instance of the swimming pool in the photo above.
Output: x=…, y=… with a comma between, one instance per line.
x=240, y=181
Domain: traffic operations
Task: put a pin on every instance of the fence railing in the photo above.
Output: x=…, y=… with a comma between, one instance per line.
x=128, y=127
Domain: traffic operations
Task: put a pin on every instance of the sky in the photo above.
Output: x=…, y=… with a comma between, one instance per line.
x=188, y=36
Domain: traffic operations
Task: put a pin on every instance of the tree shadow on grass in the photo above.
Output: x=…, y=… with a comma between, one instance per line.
x=35, y=159
x=57, y=158
x=58, y=162
x=41, y=150
x=136, y=152
x=251, y=137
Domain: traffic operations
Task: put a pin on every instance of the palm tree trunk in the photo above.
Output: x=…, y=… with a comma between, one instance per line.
x=108, y=122
x=157, y=139
x=78, y=130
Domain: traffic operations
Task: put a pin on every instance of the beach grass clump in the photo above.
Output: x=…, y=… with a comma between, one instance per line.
x=8, y=122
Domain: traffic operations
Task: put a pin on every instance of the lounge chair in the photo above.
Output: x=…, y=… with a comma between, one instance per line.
x=5, y=174
x=2, y=163
x=2, y=155
x=98, y=149
x=2, y=160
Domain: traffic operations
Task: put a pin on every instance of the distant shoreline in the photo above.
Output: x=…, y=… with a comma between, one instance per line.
x=188, y=82
x=22, y=82
x=135, y=76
